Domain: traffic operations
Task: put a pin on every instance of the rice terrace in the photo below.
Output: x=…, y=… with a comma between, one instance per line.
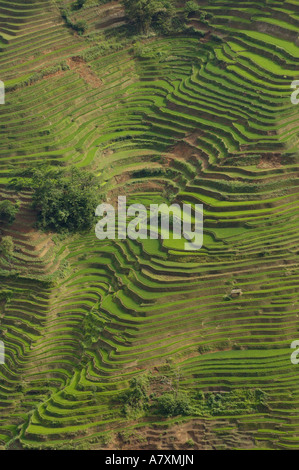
x=142, y=344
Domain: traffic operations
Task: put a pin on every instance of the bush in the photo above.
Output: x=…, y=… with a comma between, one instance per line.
x=146, y=13
x=233, y=403
x=6, y=295
x=171, y=405
x=190, y=443
x=93, y=325
x=7, y=246
x=80, y=26
x=136, y=399
x=78, y=4
x=8, y=211
x=191, y=7
x=65, y=200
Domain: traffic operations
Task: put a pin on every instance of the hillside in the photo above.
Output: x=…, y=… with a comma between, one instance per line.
x=201, y=115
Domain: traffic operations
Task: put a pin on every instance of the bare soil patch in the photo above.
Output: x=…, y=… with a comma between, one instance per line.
x=79, y=65
x=270, y=161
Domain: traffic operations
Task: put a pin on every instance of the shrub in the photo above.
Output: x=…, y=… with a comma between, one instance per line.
x=7, y=246
x=8, y=211
x=232, y=403
x=78, y=4
x=136, y=399
x=146, y=13
x=6, y=295
x=93, y=325
x=191, y=7
x=81, y=26
x=62, y=66
x=190, y=443
x=65, y=200
x=171, y=405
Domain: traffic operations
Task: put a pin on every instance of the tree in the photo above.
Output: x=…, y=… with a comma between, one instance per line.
x=92, y=327
x=8, y=210
x=136, y=399
x=191, y=7
x=81, y=26
x=171, y=405
x=146, y=13
x=7, y=246
x=7, y=249
x=79, y=4
x=65, y=199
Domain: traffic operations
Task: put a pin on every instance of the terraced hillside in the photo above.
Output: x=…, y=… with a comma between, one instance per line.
x=201, y=116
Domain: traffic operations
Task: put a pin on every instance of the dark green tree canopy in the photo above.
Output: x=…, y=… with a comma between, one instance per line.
x=65, y=199
x=146, y=13
x=7, y=246
x=8, y=210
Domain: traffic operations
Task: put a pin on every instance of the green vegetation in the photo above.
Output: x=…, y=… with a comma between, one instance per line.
x=78, y=26
x=93, y=325
x=144, y=14
x=6, y=295
x=191, y=7
x=78, y=4
x=65, y=200
x=8, y=211
x=233, y=403
x=170, y=404
x=135, y=399
x=7, y=246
